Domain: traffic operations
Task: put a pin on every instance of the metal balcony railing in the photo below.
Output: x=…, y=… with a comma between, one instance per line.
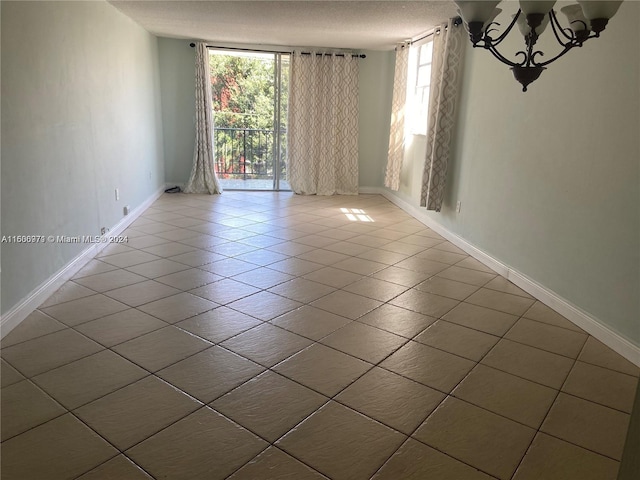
x=246, y=153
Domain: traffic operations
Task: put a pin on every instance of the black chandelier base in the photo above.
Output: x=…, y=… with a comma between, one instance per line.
x=526, y=75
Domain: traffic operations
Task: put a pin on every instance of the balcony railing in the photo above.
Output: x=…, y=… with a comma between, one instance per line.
x=247, y=153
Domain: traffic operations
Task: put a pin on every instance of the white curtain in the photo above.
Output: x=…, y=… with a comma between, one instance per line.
x=323, y=124
x=398, y=109
x=203, y=177
x=446, y=70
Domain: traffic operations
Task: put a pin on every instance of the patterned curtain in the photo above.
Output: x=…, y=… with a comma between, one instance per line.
x=448, y=51
x=323, y=124
x=398, y=108
x=203, y=177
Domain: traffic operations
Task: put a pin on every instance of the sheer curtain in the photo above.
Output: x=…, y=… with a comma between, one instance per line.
x=323, y=124
x=448, y=51
x=398, y=110
x=203, y=177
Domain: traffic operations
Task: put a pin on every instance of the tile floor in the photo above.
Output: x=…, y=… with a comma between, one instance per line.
x=271, y=336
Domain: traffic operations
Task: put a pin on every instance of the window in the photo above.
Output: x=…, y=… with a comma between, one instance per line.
x=418, y=87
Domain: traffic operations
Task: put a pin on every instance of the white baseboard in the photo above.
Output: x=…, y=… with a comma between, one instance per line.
x=26, y=306
x=579, y=317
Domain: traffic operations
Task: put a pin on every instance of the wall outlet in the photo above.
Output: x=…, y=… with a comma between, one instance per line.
x=126, y=210
x=117, y=194
x=103, y=231
x=458, y=205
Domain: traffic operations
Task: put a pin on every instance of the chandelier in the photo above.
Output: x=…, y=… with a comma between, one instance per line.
x=586, y=20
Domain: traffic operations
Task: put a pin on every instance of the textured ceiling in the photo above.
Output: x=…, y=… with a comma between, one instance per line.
x=374, y=25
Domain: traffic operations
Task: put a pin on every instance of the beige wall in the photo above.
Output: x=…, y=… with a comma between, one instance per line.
x=549, y=179
x=80, y=117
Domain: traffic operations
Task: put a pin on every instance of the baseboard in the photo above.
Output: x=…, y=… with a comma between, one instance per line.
x=577, y=316
x=26, y=306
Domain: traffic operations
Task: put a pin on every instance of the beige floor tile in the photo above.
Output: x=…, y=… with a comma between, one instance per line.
x=377, y=289
x=60, y=449
x=588, y=425
x=530, y=363
x=177, y=234
x=219, y=324
x=341, y=443
x=601, y=385
x=323, y=369
x=403, y=248
x=263, y=278
x=449, y=247
x=507, y=395
x=422, y=265
x=474, y=264
x=84, y=309
x=145, y=241
x=46, y=353
x=169, y=249
x=504, y=302
x=291, y=248
x=158, y=268
x=467, y=275
x=345, y=248
x=429, y=366
x=477, y=437
x=210, y=373
x=552, y=459
x=273, y=464
x=67, y=292
x=302, y=290
x=417, y=461
x=229, y=267
x=129, y=259
x=310, y=322
x=118, y=468
x=346, y=304
x=266, y=344
x=480, y=318
x=225, y=291
x=365, y=342
x=264, y=305
x=120, y=327
x=161, y=348
x=89, y=378
x=401, y=276
x=261, y=257
x=501, y=284
x=425, y=303
x=35, y=325
x=104, y=282
x=397, y=320
x=333, y=277
x=197, y=258
x=462, y=341
x=204, y=445
x=269, y=405
x=359, y=266
x=135, y=412
x=295, y=266
x=382, y=256
x=541, y=313
x=547, y=337
x=323, y=257
x=442, y=256
x=231, y=249
x=9, y=375
x=25, y=406
x=422, y=240
x=178, y=307
x=261, y=241
x=189, y=279
x=446, y=288
x=93, y=267
x=391, y=399
x=141, y=293
x=115, y=248
x=597, y=353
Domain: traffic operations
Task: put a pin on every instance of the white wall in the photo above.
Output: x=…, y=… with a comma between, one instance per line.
x=80, y=117
x=549, y=179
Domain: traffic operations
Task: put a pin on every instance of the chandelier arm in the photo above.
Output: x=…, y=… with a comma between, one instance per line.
x=504, y=59
x=567, y=47
x=556, y=26
x=499, y=40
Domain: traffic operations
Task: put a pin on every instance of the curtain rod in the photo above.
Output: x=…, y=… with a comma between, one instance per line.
x=275, y=51
x=456, y=21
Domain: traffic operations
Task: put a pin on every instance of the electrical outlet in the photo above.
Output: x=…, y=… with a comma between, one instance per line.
x=126, y=210
x=117, y=194
x=458, y=205
x=103, y=230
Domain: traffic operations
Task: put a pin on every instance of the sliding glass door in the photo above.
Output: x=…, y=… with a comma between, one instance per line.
x=250, y=98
